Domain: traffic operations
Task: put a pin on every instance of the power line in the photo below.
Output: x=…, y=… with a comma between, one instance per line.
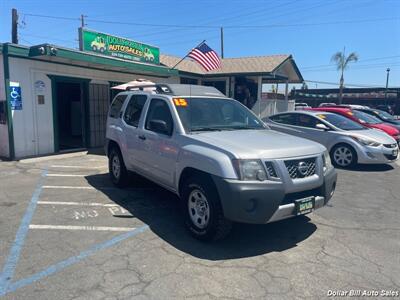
x=215, y=26
x=346, y=84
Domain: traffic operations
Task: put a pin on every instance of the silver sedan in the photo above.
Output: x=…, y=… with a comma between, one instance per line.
x=348, y=142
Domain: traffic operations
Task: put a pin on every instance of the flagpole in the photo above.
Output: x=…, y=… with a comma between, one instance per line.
x=187, y=55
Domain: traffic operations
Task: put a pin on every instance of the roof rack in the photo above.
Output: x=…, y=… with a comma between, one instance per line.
x=180, y=89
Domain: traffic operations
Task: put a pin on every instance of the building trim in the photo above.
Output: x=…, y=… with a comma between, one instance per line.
x=145, y=69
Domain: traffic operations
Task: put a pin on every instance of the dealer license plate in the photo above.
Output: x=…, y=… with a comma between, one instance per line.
x=305, y=205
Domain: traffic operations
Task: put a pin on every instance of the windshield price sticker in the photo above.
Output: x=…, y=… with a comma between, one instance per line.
x=180, y=102
x=321, y=116
x=350, y=113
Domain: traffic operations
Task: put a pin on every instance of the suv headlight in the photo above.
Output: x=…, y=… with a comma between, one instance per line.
x=366, y=142
x=249, y=169
x=326, y=159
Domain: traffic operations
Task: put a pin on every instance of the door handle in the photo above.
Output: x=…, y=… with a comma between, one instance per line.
x=142, y=137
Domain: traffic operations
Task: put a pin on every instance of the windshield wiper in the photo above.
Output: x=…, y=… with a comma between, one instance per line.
x=244, y=127
x=205, y=129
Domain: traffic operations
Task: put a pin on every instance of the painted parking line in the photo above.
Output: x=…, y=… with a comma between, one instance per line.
x=78, y=167
x=87, y=228
x=66, y=187
x=72, y=187
x=71, y=261
x=13, y=257
x=78, y=203
x=68, y=175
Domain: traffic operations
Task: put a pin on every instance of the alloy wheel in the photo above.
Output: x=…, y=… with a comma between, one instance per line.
x=343, y=156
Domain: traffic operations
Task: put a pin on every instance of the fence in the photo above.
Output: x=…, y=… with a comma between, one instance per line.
x=267, y=107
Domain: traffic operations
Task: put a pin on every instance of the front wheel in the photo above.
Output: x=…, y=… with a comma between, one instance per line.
x=344, y=156
x=203, y=211
x=117, y=169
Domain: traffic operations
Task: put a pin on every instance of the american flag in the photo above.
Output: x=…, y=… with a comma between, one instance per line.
x=206, y=57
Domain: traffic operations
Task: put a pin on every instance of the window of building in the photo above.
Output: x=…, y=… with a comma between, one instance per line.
x=3, y=114
x=186, y=80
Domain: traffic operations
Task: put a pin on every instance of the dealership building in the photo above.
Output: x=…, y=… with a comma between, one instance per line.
x=55, y=99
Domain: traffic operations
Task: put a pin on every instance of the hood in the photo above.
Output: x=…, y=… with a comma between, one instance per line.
x=386, y=128
x=372, y=134
x=263, y=144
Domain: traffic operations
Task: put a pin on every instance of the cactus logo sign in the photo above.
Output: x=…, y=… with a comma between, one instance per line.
x=109, y=45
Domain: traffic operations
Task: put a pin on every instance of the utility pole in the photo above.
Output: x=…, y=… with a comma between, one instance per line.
x=222, y=42
x=14, y=26
x=83, y=21
x=387, y=83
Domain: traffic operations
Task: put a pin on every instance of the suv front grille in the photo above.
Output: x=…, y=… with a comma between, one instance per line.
x=270, y=170
x=300, y=168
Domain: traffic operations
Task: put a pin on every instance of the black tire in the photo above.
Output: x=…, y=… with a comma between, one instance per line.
x=217, y=227
x=120, y=179
x=348, y=152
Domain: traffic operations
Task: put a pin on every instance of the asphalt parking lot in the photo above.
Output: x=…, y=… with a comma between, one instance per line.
x=67, y=233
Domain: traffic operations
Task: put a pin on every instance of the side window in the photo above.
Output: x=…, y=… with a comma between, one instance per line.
x=289, y=119
x=134, y=110
x=159, y=118
x=116, y=106
x=307, y=121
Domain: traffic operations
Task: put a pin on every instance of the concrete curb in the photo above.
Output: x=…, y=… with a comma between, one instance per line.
x=53, y=157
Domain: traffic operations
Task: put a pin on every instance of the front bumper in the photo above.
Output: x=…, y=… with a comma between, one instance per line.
x=265, y=202
x=376, y=155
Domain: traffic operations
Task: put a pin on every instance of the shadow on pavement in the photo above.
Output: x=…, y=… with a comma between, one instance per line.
x=160, y=209
x=369, y=168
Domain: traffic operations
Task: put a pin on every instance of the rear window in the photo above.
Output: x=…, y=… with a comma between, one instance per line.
x=289, y=119
x=116, y=106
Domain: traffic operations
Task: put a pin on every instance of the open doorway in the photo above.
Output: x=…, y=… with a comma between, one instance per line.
x=70, y=114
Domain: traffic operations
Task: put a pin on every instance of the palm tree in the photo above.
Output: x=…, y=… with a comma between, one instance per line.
x=342, y=63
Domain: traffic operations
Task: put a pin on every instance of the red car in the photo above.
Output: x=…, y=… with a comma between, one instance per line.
x=363, y=119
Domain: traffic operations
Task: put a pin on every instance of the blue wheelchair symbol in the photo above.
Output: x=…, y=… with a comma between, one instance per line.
x=14, y=93
x=16, y=99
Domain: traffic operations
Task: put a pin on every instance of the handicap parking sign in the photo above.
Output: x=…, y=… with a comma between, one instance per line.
x=15, y=96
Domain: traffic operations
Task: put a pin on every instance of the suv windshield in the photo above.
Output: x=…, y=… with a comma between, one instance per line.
x=341, y=122
x=210, y=114
x=366, y=118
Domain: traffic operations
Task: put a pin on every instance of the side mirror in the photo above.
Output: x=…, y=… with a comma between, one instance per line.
x=159, y=126
x=322, y=127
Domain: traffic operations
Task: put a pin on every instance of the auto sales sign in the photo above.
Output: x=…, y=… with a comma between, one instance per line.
x=109, y=45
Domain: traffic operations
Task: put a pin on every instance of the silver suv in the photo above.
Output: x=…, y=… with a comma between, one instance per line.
x=222, y=161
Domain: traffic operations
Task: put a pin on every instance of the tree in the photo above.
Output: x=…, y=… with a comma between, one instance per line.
x=342, y=62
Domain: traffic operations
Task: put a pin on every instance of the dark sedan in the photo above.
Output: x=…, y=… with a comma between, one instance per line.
x=382, y=115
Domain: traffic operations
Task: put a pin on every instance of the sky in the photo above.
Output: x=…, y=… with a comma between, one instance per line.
x=310, y=30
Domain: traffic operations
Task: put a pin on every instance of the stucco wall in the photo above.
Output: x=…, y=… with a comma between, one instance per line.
x=4, y=146
x=33, y=125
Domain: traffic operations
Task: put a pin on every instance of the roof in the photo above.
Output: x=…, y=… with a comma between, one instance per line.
x=243, y=65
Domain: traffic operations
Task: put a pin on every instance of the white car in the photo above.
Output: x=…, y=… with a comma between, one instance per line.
x=348, y=142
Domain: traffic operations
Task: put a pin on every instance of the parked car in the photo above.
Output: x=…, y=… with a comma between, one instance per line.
x=364, y=119
x=327, y=104
x=222, y=161
x=383, y=116
x=386, y=108
x=300, y=106
x=348, y=142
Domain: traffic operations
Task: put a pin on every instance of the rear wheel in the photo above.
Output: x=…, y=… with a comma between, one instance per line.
x=344, y=156
x=117, y=169
x=203, y=211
